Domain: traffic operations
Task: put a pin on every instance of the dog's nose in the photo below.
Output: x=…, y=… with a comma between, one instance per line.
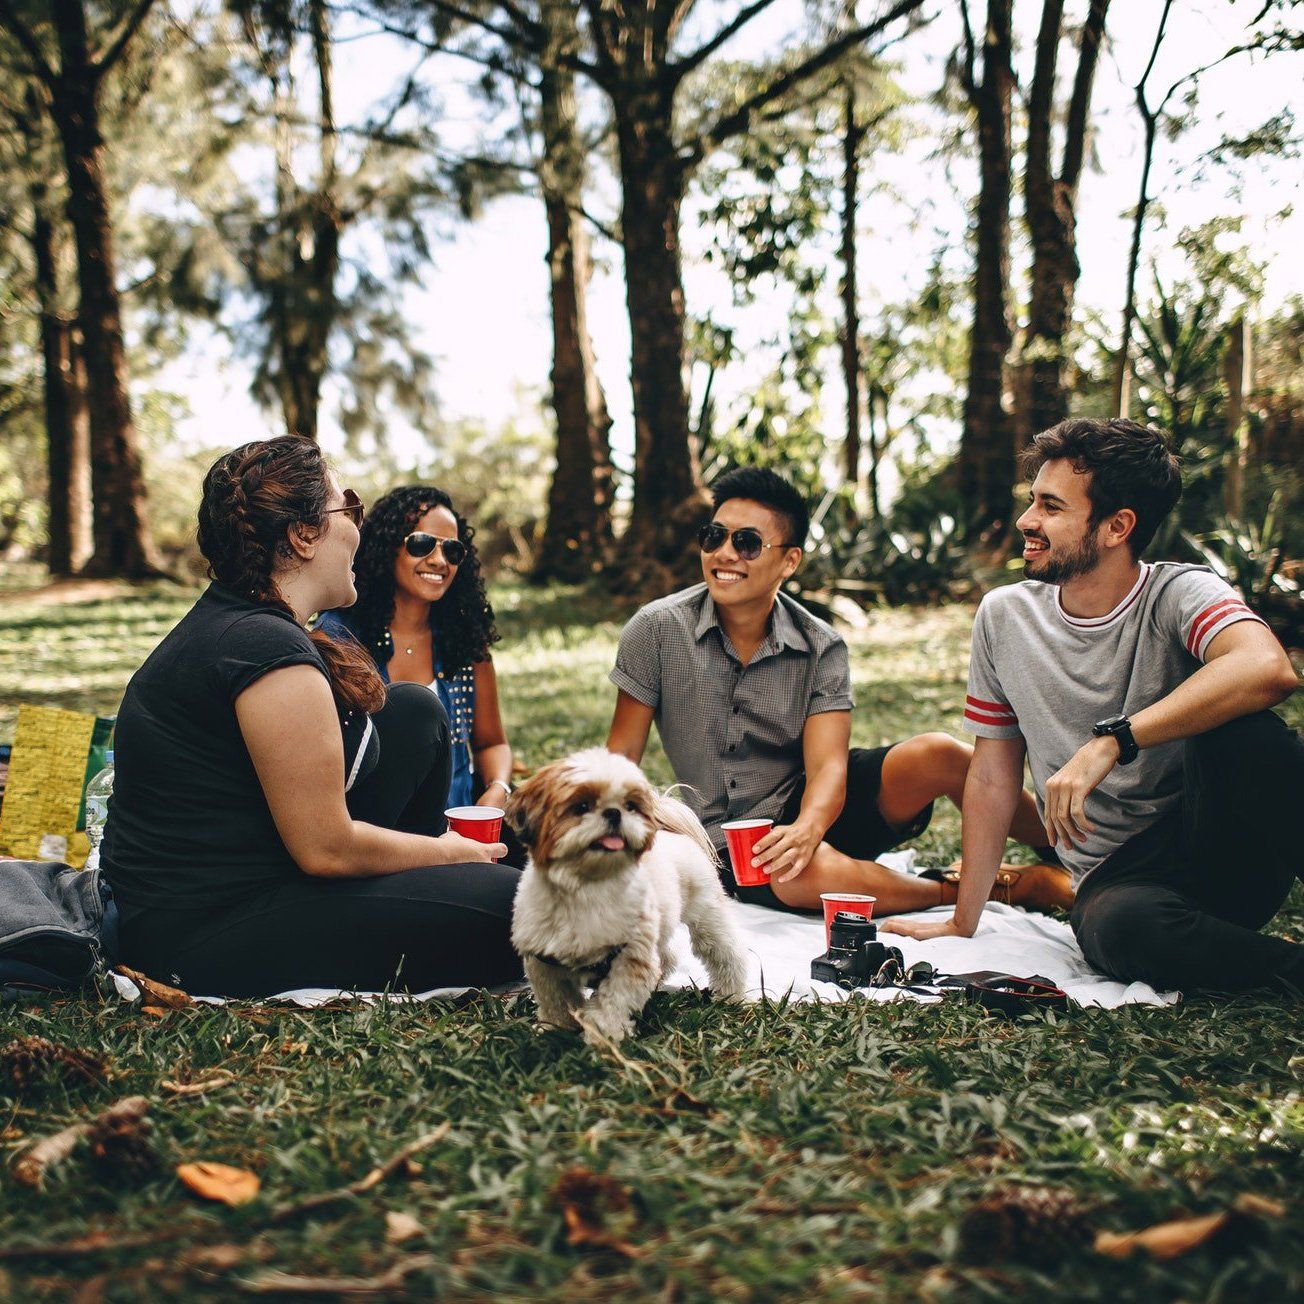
x=612, y=816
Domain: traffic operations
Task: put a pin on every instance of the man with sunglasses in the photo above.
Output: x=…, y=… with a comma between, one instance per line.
x=751, y=695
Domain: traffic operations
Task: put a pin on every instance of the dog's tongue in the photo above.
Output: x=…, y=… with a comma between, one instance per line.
x=613, y=842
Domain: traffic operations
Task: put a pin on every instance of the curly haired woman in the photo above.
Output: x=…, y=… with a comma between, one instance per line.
x=277, y=816
x=423, y=615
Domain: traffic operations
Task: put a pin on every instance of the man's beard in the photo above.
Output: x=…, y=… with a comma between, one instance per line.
x=1068, y=565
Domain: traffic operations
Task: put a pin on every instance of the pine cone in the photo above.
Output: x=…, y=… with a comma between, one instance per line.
x=123, y=1149
x=1023, y=1224
x=31, y=1061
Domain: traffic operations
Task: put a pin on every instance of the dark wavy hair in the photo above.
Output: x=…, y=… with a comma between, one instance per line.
x=1130, y=466
x=462, y=620
x=252, y=497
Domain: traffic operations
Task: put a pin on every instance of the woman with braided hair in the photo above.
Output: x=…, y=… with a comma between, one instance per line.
x=277, y=817
x=423, y=615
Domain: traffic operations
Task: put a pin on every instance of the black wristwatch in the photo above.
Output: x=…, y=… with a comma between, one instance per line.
x=1119, y=727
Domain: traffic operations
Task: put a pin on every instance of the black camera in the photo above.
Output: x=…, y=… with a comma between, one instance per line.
x=855, y=954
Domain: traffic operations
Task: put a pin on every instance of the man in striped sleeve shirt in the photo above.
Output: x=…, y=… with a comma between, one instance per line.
x=1140, y=694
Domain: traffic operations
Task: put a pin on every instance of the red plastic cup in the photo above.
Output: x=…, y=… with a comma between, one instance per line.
x=479, y=823
x=852, y=902
x=741, y=836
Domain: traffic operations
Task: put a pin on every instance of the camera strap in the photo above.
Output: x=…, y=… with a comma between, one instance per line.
x=1011, y=996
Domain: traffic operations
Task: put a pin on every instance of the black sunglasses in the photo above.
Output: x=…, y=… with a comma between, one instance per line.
x=353, y=506
x=747, y=542
x=421, y=544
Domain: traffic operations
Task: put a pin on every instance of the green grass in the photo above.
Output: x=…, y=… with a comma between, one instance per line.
x=771, y=1153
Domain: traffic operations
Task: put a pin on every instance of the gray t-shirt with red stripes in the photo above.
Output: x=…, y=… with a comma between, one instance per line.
x=1038, y=672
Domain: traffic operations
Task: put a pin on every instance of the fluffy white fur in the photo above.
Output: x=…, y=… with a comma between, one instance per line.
x=613, y=864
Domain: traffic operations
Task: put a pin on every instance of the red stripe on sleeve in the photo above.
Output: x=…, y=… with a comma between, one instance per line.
x=999, y=721
x=992, y=708
x=1208, y=618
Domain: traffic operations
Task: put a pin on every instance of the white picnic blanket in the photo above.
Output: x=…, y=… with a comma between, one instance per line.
x=781, y=947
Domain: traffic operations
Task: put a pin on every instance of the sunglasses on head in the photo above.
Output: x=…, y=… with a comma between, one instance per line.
x=357, y=513
x=747, y=542
x=421, y=544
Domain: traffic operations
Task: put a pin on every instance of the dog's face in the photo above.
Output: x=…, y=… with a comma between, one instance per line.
x=591, y=813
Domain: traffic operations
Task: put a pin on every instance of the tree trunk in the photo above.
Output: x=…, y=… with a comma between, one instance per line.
x=986, y=461
x=120, y=528
x=1120, y=396
x=1238, y=372
x=68, y=522
x=667, y=493
x=303, y=298
x=578, y=533
x=1050, y=206
x=852, y=135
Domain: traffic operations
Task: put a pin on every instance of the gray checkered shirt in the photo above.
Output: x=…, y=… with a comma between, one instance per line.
x=732, y=732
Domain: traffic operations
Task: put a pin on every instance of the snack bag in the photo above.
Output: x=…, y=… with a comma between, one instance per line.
x=55, y=754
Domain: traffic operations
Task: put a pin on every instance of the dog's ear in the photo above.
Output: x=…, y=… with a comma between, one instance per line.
x=525, y=808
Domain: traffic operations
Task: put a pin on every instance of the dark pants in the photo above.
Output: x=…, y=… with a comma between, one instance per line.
x=1180, y=905
x=440, y=926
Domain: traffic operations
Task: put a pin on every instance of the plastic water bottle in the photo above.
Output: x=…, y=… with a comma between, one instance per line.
x=98, y=792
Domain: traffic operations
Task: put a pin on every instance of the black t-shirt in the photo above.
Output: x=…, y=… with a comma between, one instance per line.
x=189, y=827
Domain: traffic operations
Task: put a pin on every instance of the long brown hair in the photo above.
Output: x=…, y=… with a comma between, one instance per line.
x=252, y=497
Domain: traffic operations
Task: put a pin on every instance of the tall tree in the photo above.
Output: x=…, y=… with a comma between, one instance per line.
x=578, y=531
x=31, y=174
x=72, y=84
x=632, y=55
x=986, y=459
x=1050, y=206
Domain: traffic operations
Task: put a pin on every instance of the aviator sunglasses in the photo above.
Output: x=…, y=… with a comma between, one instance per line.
x=421, y=544
x=353, y=506
x=747, y=542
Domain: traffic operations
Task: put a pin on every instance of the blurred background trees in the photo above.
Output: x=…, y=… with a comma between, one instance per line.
x=189, y=187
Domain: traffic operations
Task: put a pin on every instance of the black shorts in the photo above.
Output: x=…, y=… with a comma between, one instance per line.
x=860, y=831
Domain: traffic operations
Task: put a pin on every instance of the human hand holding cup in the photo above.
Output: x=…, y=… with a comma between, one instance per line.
x=741, y=837
x=479, y=823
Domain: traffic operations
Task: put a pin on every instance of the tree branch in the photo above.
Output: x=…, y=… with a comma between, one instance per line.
x=1041, y=100
x=123, y=39
x=967, y=69
x=602, y=43
x=1075, y=131
x=31, y=47
x=740, y=118
x=680, y=68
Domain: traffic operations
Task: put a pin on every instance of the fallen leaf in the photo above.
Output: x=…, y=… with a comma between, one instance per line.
x=159, y=993
x=401, y=1227
x=221, y=1078
x=680, y=1101
x=1166, y=1240
x=598, y=1211
x=1259, y=1206
x=219, y=1182
x=156, y=1011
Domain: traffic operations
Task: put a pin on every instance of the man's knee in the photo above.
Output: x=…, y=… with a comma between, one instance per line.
x=1260, y=737
x=937, y=755
x=1133, y=933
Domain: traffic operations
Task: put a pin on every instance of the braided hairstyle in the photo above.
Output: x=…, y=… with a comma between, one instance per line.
x=252, y=497
x=462, y=621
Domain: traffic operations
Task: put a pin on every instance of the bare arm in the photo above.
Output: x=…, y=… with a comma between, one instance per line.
x=489, y=745
x=788, y=849
x=1245, y=670
x=991, y=796
x=289, y=725
x=630, y=726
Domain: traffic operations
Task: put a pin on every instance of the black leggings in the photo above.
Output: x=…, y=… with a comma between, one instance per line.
x=1180, y=905
x=439, y=926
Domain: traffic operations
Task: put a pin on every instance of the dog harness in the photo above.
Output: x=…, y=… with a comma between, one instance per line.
x=599, y=968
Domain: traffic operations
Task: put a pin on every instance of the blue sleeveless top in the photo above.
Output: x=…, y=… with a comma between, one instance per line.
x=456, y=691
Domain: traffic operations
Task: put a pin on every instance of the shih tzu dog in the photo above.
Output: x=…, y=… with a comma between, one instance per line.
x=614, y=869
